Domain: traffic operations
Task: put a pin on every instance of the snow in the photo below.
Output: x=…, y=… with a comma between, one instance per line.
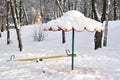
x=90, y=64
x=73, y=19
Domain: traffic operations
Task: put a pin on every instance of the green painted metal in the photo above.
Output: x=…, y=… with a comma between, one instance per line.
x=67, y=51
x=73, y=35
x=12, y=57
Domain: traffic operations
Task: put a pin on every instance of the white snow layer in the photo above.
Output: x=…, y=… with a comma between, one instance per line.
x=90, y=64
x=73, y=19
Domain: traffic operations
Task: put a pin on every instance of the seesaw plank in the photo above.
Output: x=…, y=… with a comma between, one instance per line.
x=46, y=57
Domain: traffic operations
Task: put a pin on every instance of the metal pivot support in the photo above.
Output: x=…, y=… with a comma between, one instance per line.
x=12, y=57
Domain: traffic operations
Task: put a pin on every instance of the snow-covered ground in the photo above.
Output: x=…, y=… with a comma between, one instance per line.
x=90, y=64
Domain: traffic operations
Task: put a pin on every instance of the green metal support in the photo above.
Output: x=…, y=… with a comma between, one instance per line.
x=72, y=49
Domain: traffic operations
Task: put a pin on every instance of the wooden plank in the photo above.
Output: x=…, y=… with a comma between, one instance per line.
x=46, y=57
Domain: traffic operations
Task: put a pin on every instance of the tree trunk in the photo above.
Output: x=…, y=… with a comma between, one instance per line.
x=98, y=40
x=17, y=27
x=105, y=32
x=16, y=10
x=25, y=13
x=106, y=25
x=8, y=32
x=2, y=26
x=98, y=35
x=104, y=11
x=93, y=10
x=0, y=33
x=85, y=8
x=103, y=19
x=63, y=33
x=115, y=8
x=20, y=12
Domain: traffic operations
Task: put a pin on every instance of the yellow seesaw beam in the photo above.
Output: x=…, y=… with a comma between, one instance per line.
x=46, y=57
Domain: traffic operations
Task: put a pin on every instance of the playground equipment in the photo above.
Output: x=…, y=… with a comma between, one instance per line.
x=12, y=57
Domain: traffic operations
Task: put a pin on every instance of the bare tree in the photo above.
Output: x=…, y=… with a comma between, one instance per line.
x=17, y=26
x=115, y=9
x=106, y=25
x=97, y=34
x=63, y=33
x=22, y=14
x=8, y=32
x=2, y=16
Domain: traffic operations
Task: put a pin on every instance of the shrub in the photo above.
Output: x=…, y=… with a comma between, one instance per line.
x=39, y=35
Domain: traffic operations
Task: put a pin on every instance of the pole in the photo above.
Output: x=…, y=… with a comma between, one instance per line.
x=72, y=49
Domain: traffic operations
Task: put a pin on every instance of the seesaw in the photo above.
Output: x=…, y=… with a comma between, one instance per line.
x=41, y=58
x=12, y=57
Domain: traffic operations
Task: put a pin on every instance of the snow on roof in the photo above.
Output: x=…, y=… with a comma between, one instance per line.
x=73, y=19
